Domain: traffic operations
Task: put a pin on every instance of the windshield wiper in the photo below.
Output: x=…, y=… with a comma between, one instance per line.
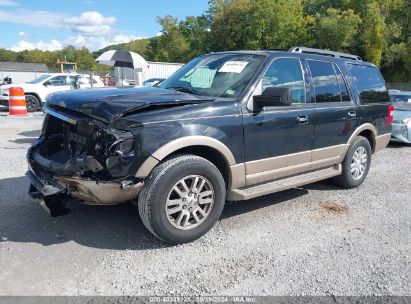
x=184, y=90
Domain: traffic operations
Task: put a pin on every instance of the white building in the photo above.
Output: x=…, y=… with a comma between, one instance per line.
x=21, y=72
x=155, y=70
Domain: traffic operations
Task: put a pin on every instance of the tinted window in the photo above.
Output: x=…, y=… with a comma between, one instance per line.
x=369, y=82
x=286, y=73
x=345, y=96
x=325, y=82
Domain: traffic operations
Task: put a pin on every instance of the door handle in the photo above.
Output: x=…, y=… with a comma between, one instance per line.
x=352, y=114
x=302, y=119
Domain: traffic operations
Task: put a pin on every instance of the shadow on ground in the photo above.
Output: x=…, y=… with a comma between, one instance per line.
x=28, y=137
x=109, y=227
x=397, y=145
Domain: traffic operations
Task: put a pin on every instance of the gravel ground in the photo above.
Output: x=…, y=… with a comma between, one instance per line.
x=314, y=240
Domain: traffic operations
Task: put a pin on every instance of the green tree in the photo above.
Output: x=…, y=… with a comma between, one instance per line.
x=247, y=24
x=171, y=46
x=374, y=33
x=196, y=31
x=336, y=30
x=6, y=55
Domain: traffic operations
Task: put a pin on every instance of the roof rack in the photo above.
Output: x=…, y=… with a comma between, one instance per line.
x=299, y=49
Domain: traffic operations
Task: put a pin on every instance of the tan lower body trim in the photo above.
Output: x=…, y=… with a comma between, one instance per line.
x=278, y=167
x=237, y=176
x=102, y=193
x=382, y=141
x=252, y=179
x=329, y=152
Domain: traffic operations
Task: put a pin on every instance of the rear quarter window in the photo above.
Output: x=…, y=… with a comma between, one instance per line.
x=369, y=82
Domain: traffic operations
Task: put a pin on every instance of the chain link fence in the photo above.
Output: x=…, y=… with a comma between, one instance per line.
x=401, y=86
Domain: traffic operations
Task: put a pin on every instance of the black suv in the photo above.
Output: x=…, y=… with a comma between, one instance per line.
x=226, y=126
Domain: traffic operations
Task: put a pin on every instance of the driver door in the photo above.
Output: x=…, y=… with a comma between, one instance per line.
x=278, y=139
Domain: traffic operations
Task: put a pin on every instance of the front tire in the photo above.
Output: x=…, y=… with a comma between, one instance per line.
x=356, y=164
x=32, y=103
x=182, y=199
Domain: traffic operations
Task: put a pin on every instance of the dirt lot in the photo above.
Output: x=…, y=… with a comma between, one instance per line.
x=315, y=240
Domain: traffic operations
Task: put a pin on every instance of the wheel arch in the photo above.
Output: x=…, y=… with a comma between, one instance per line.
x=34, y=94
x=368, y=131
x=209, y=148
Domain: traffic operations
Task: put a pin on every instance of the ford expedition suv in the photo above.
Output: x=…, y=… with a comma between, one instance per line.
x=226, y=126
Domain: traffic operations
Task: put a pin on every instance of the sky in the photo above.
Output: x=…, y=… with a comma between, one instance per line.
x=53, y=24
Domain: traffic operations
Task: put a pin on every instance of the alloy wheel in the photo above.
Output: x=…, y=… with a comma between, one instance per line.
x=359, y=163
x=190, y=202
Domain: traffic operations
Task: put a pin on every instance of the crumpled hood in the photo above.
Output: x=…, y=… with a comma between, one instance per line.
x=111, y=103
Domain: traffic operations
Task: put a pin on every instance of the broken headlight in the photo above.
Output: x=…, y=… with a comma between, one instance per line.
x=122, y=146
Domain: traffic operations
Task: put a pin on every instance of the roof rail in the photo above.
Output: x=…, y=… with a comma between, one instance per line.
x=299, y=49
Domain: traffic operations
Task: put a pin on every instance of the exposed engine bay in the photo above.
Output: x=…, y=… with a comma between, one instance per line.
x=73, y=157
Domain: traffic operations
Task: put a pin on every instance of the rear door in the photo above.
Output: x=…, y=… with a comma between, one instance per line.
x=336, y=113
x=372, y=95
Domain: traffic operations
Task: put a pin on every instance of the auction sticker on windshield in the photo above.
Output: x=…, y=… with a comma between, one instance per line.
x=233, y=67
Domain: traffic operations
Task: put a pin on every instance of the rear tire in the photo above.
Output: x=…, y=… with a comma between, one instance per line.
x=32, y=103
x=356, y=164
x=182, y=199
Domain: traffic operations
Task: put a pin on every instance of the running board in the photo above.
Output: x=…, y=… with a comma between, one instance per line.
x=283, y=184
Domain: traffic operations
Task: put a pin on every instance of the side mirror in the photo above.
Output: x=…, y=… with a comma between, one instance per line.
x=47, y=83
x=273, y=97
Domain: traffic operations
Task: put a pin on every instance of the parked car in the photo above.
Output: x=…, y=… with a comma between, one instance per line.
x=37, y=90
x=226, y=126
x=400, y=96
x=401, y=125
x=152, y=82
x=88, y=81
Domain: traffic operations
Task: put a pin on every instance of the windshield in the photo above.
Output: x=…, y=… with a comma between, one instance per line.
x=216, y=75
x=39, y=79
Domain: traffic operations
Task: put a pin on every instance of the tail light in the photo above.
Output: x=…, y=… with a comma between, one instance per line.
x=390, y=117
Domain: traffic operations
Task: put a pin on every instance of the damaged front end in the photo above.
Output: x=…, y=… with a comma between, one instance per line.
x=82, y=158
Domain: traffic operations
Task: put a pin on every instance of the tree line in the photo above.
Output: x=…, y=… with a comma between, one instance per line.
x=377, y=30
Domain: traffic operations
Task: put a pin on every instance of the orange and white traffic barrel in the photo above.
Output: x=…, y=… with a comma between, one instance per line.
x=17, y=102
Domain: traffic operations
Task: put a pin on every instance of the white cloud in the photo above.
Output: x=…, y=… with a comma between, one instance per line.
x=92, y=30
x=33, y=18
x=8, y=3
x=123, y=38
x=22, y=45
x=90, y=23
x=95, y=43
x=90, y=42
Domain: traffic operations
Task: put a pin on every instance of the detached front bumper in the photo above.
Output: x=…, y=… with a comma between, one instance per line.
x=50, y=179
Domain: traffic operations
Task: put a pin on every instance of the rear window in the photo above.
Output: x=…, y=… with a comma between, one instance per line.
x=369, y=82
